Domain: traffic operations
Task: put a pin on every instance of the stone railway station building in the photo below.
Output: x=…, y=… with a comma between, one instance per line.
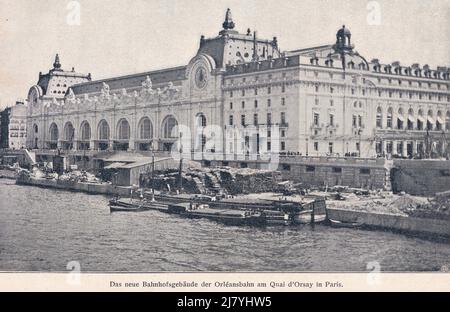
x=241, y=95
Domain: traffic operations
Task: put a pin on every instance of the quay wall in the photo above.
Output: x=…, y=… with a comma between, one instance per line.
x=440, y=227
x=421, y=177
x=325, y=171
x=92, y=188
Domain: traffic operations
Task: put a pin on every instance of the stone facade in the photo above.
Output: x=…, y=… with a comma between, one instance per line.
x=240, y=96
x=17, y=126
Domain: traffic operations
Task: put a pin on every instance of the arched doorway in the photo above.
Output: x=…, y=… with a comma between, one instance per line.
x=122, y=142
x=145, y=131
x=35, y=136
x=200, y=125
x=169, y=130
x=85, y=129
x=69, y=135
x=54, y=136
x=103, y=135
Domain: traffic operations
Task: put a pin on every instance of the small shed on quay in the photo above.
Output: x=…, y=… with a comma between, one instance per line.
x=124, y=173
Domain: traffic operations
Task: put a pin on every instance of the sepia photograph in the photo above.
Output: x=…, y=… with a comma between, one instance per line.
x=224, y=137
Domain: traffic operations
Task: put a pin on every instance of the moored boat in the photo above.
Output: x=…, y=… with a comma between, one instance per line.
x=340, y=224
x=136, y=205
x=226, y=216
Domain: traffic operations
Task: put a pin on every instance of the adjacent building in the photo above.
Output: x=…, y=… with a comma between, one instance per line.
x=18, y=126
x=241, y=96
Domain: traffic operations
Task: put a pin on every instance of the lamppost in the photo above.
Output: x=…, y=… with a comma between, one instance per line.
x=181, y=164
x=153, y=171
x=359, y=144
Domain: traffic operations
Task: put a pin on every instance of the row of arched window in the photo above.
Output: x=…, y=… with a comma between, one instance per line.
x=411, y=120
x=145, y=130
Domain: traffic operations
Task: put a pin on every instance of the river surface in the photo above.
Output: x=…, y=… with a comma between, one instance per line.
x=44, y=229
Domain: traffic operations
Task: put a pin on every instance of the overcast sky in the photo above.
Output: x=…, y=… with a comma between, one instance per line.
x=117, y=37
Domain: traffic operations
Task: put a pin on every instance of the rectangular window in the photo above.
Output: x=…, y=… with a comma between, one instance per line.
x=269, y=90
x=337, y=170
x=354, y=121
x=316, y=119
x=231, y=120
x=316, y=146
x=283, y=101
x=269, y=146
x=359, y=120
x=269, y=119
x=256, y=91
x=283, y=146
x=243, y=92
x=283, y=133
x=364, y=171
x=331, y=90
x=256, y=103
x=269, y=133
x=231, y=105
x=331, y=120
x=286, y=167
x=231, y=94
x=389, y=147
x=283, y=118
x=243, y=104
x=269, y=102
x=310, y=168
x=330, y=148
x=283, y=88
x=331, y=102
x=358, y=146
x=255, y=119
x=243, y=120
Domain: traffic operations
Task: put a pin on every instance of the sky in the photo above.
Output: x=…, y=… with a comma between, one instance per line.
x=118, y=37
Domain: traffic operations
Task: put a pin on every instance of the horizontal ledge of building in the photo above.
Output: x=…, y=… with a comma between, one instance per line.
x=403, y=131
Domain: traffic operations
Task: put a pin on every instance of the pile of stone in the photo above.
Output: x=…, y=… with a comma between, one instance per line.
x=216, y=181
x=437, y=207
x=245, y=181
x=79, y=176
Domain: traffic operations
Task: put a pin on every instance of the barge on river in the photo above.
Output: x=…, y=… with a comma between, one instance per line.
x=230, y=211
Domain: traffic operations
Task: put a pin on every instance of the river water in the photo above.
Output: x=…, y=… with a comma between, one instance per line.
x=43, y=230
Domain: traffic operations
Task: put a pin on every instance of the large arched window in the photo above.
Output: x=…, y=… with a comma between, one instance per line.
x=430, y=120
x=420, y=120
x=145, y=129
x=439, y=121
x=69, y=132
x=85, y=131
x=103, y=130
x=170, y=127
x=400, y=119
x=54, y=135
x=123, y=129
x=410, y=122
x=389, y=118
x=447, y=121
x=379, y=121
